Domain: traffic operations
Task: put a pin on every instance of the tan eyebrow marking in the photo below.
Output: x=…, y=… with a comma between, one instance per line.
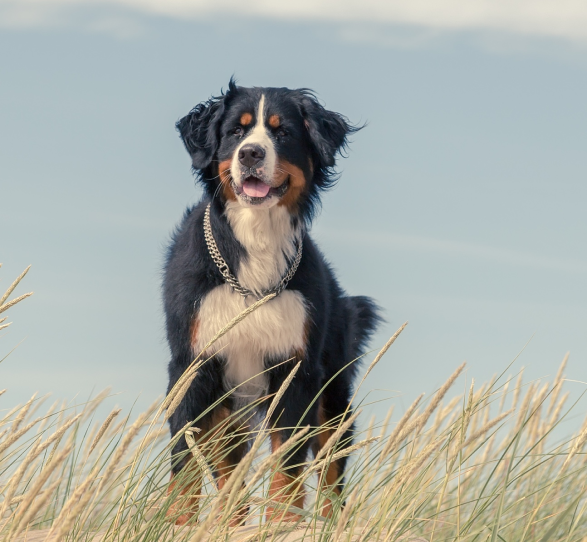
x=246, y=119
x=274, y=121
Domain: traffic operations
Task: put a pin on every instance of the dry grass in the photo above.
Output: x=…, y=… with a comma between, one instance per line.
x=486, y=466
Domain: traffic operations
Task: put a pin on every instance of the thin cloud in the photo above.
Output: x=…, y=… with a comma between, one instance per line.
x=561, y=18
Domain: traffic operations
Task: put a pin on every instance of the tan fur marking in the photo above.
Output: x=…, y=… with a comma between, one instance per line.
x=274, y=121
x=246, y=119
x=297, y=184
x=332, y=472
x=224, y=175
x=185, y=506
x=284, y=489
x=210, y=441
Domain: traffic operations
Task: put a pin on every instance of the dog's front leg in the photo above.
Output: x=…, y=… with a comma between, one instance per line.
x=194, y=408
x=296, y=409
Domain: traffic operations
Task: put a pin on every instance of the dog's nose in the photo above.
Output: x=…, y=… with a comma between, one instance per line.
x=250, y=155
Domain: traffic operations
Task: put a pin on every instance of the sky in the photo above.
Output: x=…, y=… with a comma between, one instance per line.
x=460, y=207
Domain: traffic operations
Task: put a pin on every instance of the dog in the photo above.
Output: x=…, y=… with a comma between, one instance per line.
x=263, y=156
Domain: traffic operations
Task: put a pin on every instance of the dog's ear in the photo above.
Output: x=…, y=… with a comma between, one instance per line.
x=328, y=130
x=199, y=129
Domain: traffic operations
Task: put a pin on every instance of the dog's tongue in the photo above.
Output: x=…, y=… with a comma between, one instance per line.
x=254, y=188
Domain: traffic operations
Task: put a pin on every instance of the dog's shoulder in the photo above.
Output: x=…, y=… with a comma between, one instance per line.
x=187, y=275
x=187, y=233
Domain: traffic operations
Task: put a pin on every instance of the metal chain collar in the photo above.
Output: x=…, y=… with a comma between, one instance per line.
x=230, y=278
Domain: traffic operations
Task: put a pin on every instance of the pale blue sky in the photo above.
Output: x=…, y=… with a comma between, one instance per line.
x=461, y=207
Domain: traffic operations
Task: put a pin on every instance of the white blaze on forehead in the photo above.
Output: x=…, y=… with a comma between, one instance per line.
x=259, y=131
x=258, y=136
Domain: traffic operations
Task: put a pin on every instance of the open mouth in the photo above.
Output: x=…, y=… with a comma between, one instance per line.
x=255, y=188
x=256, y=191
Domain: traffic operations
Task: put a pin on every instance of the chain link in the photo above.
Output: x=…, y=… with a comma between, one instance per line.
x=230, y=278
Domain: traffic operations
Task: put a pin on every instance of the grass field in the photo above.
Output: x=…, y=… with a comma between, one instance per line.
x=484, y=466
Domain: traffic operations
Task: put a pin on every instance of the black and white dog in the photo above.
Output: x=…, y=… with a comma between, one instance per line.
x=263, y=155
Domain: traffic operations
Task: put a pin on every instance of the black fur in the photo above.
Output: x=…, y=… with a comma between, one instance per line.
x=325, y=135
x=340, y=326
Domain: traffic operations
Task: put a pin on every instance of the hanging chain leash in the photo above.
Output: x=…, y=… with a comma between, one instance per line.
x=230, y=278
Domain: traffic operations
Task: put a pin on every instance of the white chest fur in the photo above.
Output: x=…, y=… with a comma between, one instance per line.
x=270, y=240
x=275, y=330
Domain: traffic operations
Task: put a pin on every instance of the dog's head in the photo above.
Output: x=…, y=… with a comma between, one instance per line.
x=265, y=146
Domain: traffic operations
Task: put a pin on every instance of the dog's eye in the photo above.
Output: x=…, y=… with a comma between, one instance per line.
x=238, y=131
x=281, y=132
